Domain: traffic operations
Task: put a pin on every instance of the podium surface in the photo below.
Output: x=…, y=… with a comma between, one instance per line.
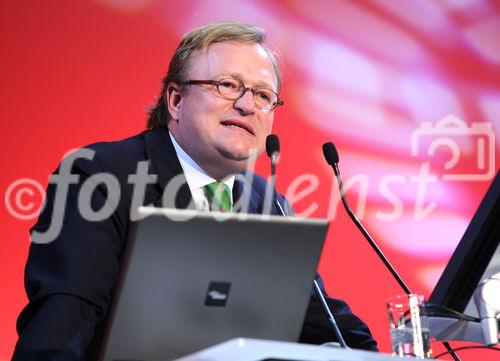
x=247, y=349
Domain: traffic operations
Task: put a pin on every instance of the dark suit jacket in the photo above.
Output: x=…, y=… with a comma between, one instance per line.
x=70, y=281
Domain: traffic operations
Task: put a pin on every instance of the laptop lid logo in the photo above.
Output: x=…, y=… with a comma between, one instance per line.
x=217, y=294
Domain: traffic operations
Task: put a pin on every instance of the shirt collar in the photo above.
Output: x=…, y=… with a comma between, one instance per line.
x=195, y=175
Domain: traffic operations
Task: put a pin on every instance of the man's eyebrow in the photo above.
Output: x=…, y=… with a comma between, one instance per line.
x=239, y=76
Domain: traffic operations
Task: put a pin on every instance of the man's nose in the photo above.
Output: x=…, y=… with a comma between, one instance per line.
x=245, y=104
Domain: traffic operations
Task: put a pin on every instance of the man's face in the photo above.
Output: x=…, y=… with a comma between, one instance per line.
x=219, y=134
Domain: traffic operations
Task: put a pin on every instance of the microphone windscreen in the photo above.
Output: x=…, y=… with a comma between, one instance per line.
x=272, y=144
x=330, y=153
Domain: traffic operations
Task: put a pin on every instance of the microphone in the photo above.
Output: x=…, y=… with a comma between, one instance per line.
x=332, y=158
x=331, y=155
x=273, y=151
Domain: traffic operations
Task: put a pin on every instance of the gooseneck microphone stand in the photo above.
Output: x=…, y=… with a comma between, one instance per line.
x=332, y=158
x=272, y=150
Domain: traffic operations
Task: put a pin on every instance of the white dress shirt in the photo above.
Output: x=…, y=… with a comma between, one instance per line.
x=197, y=178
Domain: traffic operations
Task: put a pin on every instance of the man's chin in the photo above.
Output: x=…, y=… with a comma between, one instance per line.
x=240, y=154
x=240, y=160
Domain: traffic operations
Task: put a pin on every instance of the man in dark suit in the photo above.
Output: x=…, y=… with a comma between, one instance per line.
x=215, y=110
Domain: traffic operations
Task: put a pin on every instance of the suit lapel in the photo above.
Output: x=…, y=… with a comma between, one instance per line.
x=173, y=190
x=245, y=198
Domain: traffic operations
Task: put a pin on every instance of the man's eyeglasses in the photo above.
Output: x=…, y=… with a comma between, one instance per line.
x=233, y=89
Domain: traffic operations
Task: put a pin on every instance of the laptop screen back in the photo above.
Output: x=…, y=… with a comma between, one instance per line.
x=186, y=285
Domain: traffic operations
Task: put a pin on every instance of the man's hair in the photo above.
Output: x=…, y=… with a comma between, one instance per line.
x=199, y=39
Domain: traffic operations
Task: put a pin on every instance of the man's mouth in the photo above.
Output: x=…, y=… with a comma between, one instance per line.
x=238, y=124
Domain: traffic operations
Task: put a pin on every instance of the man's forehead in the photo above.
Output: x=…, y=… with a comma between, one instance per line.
x=245, y=61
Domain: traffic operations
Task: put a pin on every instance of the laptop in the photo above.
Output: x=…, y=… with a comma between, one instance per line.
x=190, y=280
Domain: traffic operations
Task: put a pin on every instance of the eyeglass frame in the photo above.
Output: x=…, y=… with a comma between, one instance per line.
x=244, y=89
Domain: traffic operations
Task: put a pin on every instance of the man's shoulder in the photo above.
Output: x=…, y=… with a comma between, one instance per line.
x=131, y=147
x=120, y=157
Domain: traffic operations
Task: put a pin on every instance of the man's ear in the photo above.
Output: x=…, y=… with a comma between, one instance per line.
x=173, y=97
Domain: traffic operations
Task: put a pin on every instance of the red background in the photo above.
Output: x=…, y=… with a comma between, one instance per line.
x=365, y=74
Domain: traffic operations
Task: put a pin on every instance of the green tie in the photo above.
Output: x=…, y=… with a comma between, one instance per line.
x=219, y=196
